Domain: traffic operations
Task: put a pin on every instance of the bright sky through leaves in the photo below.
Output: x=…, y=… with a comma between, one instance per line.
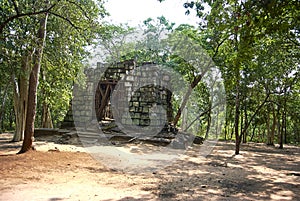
x=134, y=12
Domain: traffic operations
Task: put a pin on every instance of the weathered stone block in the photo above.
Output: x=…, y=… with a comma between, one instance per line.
x=135, y=121
x=145, y=109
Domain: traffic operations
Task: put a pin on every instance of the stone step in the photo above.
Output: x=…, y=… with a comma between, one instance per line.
x=89, y=135
x=38, y=132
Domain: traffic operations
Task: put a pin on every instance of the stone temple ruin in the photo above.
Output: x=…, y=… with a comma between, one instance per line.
x=124, y=99
x=123, y=93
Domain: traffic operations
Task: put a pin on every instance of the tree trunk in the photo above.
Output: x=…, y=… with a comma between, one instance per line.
x=237, y=108
x=247, y=123
x=268, y=126
x=46, y=117
x=184, y=119
x=272, y=134
x=232, y=130
x=2, y=110
x=236, y=120
x=11, y=119
x=208, y=124
x=271, y=131
x=253, y=132
x=282, y=130
x=217, y=124
x=21, y=98
x=281, y=134
x=284, y=119
x=46, y=120
x=32, y=90
x=225, y=127
x=259, y=139
x=285, y=134
x=237, y=88
x=241, y=125
x=245, y=133
x=186, y=97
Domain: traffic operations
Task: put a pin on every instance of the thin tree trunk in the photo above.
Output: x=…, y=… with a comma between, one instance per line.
x=253, y=133
x=226, y=125
x=11, y=119
x=236, y=119
x=186, y=97
x=284, y=119
x=198, y=118
x=232, y=130
x=208, y=124
x=2, y=110
x=246, y=122
x=237, y=106
x=32, y=91
x=217, y=124
x=283, y=124
x=46, y=117
x=285, y=134
x=272, y=133
x=241, y=125
x=46, y=120
x=268, y=127
x=182, y=106
x=259, y=135
x=237, y=88
x=184, y=119
x=281, y=132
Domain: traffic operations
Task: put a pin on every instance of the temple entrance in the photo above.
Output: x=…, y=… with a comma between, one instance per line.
x=102, y=99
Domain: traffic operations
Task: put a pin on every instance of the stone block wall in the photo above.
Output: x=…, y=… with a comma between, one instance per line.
x=141, y=96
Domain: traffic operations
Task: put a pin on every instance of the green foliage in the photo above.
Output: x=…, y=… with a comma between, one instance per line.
x=255, y=44
x=156, y=42
x=113, y=42
x=71, y=27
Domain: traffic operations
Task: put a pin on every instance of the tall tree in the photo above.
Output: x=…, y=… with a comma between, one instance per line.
x=248, y=26
x=26, y=22
x=33, y=84
x=251, y=23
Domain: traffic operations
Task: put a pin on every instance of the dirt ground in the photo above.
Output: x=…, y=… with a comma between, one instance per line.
x=65, y=172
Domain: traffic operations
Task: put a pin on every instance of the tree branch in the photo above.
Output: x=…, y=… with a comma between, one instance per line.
x=197, y=118
x=255, y=113
x=82, y=10
x=20, y=15
x=218, y=46
x=16, y=7
x=293, y=41
x=71, y=23
x=66, y=19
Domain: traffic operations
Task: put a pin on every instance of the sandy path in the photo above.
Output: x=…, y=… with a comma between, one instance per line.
x=259, y=173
